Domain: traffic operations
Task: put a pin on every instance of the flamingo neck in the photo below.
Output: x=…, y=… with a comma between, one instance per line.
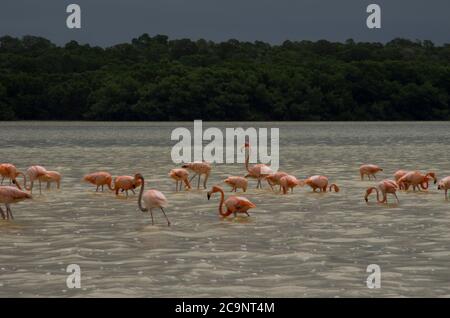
x=378, y=195
x=247, y=159
x=140, y=197
x=110, y=187
x=222, y=200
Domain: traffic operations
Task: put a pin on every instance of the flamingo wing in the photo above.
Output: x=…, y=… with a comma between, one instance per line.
x=265, y=169
x=154, y=198
x=244, y=203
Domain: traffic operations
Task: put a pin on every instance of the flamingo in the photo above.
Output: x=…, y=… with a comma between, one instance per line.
x=233, y=204
x=289, y=182
x=10, y=195
x=199, y=168
x=385, y=187
x=51, y=176
x=369, y=170
x=258, y=171
x=99, y=179
x=274, y=179
x=152, y=199
x=321, y=183
x=8, y=170
x=444, y=184
x=416, y=179
x=125, y=183
x=180, y=175
x=35, y=173
x=237, y=183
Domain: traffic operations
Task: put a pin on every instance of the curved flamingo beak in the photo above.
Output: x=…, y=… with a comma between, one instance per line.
x=208, y=195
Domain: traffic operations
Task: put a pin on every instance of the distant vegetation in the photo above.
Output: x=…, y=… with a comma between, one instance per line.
x=154, y=78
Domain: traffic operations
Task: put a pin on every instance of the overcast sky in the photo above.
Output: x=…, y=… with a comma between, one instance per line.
x=107, y=22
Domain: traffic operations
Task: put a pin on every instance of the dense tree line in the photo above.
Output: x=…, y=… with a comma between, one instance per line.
x=154, y=78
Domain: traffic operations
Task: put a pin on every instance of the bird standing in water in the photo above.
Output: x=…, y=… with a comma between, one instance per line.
x=9, y=195
x=233, y=204
x=152, y=199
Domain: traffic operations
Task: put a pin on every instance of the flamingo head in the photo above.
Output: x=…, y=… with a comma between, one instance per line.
x=441, y=185
x=214, y=189
x=433, y=176
x=16, y=184
x=368, y=192
x=139, y=178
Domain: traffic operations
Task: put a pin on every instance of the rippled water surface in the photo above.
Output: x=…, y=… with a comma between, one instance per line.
x=299, y=245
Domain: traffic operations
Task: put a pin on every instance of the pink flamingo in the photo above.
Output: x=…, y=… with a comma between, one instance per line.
x=385, y=187
x=444, y=184
x=35, y=173
x=369, y=170
x=321, y=183
x=125, y=183
x=258, y=171
x=289, y=182
x=10, y=171
x=152, y=199
x=51, y=176
x=199, y=168
x=99, y=179
x=233, y=204
x=237, y=183
x=274, y=179
x=416, y=179
x=10, y=195
x=180, y=175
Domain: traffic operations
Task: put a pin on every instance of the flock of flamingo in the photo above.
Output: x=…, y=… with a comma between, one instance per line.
x=154, y=199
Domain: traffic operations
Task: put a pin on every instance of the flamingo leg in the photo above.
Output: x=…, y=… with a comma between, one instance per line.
x=192, y=178
x=198, y=181
x=151, y=214
x=176, y=185
x=446, y=198
x=96, y=190
x=395, y=195
x=133, y=191
x=48, y=185
x=126, y=193
x=102, y=187
x=168, y=222
x=2, y=213
x=205, y=180
x=3, y=179
x=247, y=213
x=40, y=188
x=8, y=211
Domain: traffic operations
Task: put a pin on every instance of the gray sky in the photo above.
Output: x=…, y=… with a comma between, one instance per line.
x=108, y=22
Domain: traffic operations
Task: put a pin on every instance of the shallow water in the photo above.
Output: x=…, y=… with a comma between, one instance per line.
x=299, y=245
